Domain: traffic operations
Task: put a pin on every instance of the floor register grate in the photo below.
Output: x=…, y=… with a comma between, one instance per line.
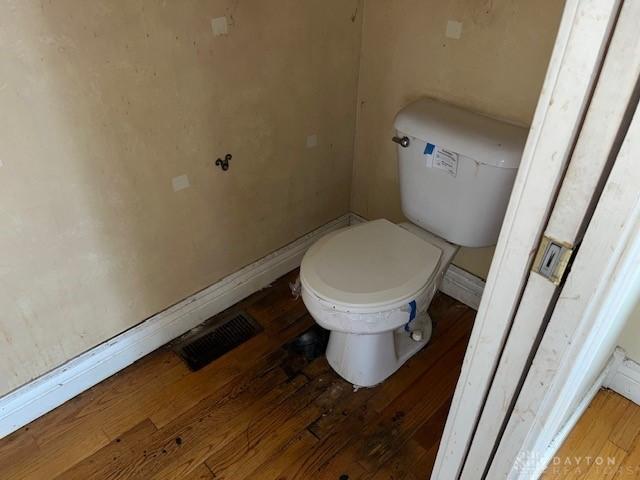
x=207, y=343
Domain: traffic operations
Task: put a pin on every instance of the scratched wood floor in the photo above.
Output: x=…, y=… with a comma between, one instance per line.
x=259, y=412
x=604, y=444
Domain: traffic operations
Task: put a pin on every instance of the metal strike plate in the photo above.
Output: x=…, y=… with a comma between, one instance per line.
x=552, y=259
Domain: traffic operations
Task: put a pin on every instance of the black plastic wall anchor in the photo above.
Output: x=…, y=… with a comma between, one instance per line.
x=224, y=164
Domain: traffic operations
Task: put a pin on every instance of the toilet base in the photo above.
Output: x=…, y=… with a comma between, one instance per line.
x=366, y=360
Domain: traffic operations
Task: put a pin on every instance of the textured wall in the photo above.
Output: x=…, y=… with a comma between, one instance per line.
x=496, y=67
x=105, y=102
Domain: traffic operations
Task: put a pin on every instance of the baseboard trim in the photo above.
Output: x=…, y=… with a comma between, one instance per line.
x=463, y=286
x=355, y=219
x=47, y=392
x=624, y=377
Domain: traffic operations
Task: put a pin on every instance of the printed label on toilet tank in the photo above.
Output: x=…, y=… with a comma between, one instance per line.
x=446, y=160
x=437, y=157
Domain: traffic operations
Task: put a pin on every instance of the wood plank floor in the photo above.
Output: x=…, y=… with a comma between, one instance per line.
x=259, y=412
x=604, y=444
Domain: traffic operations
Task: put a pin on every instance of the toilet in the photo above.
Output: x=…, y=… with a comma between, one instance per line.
x=371, y=284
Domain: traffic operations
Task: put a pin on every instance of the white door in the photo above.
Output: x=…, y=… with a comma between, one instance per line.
x=575, y=136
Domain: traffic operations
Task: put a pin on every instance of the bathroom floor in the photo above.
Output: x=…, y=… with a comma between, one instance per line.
x=259, y=412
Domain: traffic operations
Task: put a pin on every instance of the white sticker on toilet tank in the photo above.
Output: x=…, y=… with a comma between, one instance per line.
x=430, y=152
x=446, y=160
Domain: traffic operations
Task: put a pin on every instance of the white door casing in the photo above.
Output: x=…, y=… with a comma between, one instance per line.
x=595, y=150
x=571, y=75
x=599, y=292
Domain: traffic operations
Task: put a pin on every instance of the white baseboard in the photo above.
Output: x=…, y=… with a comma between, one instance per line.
x=355, y=219
x=457, y=283
x=625, y=377
x=463, y=286
x=45, y=393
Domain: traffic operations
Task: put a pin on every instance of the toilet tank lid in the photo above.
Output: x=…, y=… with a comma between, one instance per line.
x=484, y=139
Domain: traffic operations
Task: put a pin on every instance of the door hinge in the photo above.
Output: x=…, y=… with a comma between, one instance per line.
x=552, y=259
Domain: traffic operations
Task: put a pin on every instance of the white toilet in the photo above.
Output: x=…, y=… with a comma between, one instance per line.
x=371, y=284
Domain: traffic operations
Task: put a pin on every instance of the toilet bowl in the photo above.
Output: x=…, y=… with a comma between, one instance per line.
x=371, y=285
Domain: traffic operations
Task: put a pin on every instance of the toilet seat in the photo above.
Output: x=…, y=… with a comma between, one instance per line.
x=372, y=267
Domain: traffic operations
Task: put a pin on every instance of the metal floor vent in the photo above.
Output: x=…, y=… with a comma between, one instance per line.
x=209, y=342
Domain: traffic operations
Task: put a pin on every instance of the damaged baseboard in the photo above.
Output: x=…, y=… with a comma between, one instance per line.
x=47, y=392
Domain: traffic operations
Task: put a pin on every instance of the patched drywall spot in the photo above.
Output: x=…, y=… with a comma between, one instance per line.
x=180, y=183
x=219, y=26
x=454, y=30
x=312, y=141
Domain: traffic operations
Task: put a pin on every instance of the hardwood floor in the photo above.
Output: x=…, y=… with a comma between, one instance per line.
x=259, y=412
x=604, y=444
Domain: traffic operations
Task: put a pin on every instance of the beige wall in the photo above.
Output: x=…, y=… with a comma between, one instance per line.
x=630, y=337
x=105, y=102
x=496, y=67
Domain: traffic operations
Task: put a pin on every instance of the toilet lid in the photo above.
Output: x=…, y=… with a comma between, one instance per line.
x=369, y=265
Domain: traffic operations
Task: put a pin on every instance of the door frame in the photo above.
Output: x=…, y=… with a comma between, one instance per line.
x=603, y=131
x=578, y=344
x=571, y=76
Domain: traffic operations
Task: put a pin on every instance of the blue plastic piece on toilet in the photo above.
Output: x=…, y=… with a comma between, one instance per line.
x=428, y=150
x=412, y=314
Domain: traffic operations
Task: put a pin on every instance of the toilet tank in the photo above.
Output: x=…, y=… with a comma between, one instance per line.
x=457, y=172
